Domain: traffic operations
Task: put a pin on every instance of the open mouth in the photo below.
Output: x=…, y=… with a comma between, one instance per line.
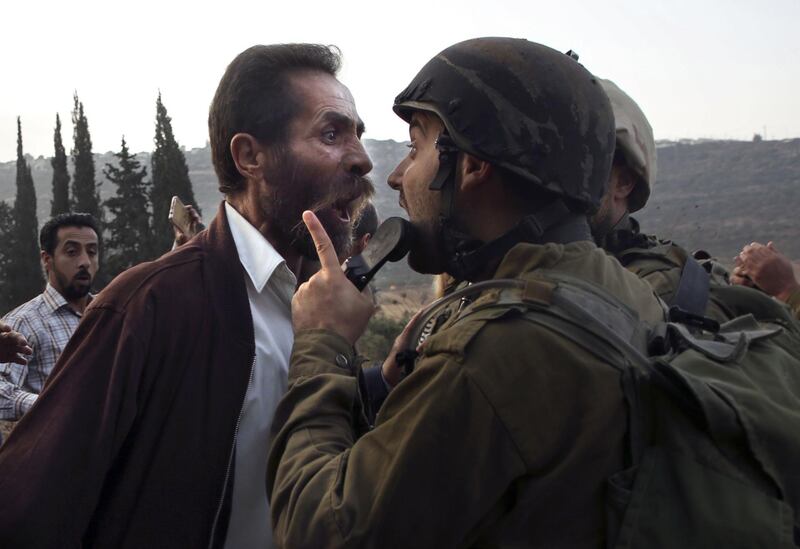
x=343, y=208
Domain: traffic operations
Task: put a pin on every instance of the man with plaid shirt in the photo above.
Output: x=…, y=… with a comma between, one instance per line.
x=70, y=246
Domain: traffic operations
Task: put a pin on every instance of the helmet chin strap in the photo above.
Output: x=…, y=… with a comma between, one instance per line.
x=468, y=257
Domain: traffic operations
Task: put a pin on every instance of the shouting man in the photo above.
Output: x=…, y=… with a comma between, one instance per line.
x=173, y=376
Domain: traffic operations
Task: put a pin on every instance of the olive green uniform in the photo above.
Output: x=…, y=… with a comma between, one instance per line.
x=794, y=303
x=660, y=263
x=504, y=434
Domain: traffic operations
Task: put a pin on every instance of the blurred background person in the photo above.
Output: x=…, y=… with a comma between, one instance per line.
x=69, y=251
x=364, y=227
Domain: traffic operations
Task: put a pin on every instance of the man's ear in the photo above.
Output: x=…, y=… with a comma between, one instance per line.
x=624, y=184
x=248, y=155
x=474, y=171
x=47, y=259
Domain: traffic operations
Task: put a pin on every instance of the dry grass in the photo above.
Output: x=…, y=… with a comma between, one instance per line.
x=399, y=304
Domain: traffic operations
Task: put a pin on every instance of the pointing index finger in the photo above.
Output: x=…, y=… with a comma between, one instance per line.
x=322, y=242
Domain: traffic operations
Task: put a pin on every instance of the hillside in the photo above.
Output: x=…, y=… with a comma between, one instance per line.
x=720, y=195
x=716, y=195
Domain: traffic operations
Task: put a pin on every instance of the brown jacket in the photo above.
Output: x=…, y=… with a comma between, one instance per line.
x=503, y=436
x=131, y=442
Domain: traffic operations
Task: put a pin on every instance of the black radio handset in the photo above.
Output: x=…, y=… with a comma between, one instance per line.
x=390, y=242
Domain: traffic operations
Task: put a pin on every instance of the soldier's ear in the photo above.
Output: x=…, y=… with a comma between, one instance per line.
x=248, y=155
x=474, y=172
x=622, y=182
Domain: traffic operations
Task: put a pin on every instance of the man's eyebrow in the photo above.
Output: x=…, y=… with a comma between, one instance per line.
x=340, y=119
x=66, y=243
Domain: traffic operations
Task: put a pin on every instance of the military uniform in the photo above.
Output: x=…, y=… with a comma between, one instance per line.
x=794, y=303
x=504, y=434
x=660, y=263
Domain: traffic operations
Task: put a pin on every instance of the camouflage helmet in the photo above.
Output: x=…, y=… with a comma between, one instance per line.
x=635, y=142
x=524, y=107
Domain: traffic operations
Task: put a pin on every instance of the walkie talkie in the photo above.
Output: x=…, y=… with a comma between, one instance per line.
x=390, y=242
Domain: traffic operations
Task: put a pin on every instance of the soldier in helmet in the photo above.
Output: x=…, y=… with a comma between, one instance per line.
x=505, y=432
x=662, y=263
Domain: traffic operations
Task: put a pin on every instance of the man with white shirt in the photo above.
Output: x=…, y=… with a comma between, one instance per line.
x=173, y=376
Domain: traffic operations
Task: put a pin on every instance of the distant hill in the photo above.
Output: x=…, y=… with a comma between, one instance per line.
x=715, y=195
x=720, y=195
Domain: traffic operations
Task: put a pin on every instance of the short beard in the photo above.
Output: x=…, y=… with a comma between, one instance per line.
x=600, y=223
x=427, y=251
x=71, y=289
x=298, y=188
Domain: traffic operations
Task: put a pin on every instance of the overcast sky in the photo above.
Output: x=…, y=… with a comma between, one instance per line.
x=719, y=69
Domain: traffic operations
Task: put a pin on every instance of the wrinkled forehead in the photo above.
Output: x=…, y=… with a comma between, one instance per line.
x=317, y=90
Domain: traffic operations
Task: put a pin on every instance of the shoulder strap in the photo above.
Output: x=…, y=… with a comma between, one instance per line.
x=581, y=311
x=692, y=293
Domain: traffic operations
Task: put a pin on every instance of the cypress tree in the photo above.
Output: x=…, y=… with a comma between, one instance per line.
x=6, y=249
x=85, y=197
x=25, y=275
x=60, y=202
x=129, y=234
x=170, y=177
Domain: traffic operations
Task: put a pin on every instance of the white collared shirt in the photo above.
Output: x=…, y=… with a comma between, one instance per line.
x=270, y=286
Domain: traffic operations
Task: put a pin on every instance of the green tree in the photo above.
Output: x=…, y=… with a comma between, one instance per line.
x=60, y=202
x=129, y=233
x=6, y=249
x=85, y=196
x=377, y=340
x=170, y=177
x=25, y=276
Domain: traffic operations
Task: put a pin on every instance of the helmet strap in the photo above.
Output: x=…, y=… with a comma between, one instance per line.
x=554, y=223
x=456, y=243
x=468, y=257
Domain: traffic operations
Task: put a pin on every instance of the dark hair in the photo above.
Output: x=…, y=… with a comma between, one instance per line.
x=254, y=97
x=367, y=222
x=48, y=236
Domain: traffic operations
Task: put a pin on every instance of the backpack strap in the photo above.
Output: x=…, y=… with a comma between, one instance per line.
x=581, y=311
x=693, y=288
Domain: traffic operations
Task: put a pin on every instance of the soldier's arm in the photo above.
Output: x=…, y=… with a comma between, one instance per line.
x=439, y=456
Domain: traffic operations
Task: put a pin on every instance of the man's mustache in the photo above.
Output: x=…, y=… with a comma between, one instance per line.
x=358, y=188
x=82, y=273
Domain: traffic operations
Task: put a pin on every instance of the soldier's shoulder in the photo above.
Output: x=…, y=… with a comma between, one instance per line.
x=461, y=332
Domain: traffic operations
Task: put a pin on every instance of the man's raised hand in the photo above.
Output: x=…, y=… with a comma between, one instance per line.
x=329, y=300
x=767, y=268
x=13, y=345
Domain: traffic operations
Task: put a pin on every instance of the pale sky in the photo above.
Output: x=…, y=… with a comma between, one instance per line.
x=716, y=69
